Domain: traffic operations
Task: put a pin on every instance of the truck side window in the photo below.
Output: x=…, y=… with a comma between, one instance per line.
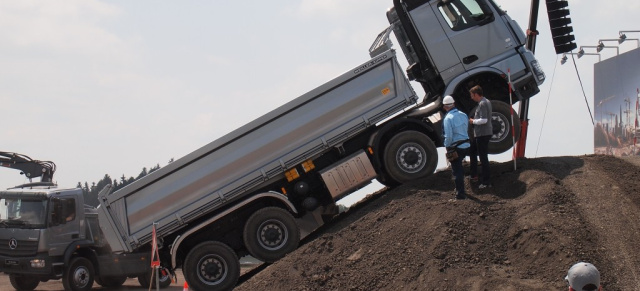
x=63, y=210
x=69, y=209
x=461, y=14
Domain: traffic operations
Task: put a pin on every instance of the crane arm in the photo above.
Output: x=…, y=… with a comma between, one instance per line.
x=29, y=167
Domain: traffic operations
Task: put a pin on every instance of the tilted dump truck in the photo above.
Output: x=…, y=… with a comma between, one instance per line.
x=261, y=188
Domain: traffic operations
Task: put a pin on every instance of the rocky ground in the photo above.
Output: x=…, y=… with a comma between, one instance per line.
x=522, y=234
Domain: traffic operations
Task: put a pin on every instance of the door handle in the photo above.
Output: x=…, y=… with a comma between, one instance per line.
x=469, y=59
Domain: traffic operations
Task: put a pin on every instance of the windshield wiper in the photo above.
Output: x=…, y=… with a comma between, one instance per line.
x=13, y=222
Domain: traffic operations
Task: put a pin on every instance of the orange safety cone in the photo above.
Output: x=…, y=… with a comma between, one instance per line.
x=186, y=286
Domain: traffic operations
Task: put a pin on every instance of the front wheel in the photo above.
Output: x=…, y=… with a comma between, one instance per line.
x=270, y=234
x=211, y=266
x=503, y=137
x=23, y=283
x=410, y=155
x=79, y=276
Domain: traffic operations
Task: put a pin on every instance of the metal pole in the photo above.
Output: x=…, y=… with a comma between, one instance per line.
x=532, y=33
x=513, y=133
x=157, y=267
x=157, y=278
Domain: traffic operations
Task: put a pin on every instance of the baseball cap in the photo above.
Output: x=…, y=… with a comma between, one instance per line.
x=583, y=276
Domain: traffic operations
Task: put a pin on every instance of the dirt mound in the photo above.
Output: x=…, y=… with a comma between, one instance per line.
x=522, y=234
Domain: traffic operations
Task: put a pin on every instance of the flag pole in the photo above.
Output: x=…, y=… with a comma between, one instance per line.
x=155, y=258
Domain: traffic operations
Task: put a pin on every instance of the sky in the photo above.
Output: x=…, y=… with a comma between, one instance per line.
x=110, y=87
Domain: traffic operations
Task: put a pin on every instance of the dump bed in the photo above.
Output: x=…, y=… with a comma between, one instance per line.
x=255, y=154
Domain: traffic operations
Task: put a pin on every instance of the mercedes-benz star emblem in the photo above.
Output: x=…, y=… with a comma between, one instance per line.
x=13, y=243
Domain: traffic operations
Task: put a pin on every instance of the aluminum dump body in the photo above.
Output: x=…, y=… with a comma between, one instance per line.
x=256, y=154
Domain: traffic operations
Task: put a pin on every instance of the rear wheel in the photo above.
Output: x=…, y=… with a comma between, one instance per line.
x=23, y=283
x=211, y=266
x=79, y=276
x=271, y=233
x=410, y=155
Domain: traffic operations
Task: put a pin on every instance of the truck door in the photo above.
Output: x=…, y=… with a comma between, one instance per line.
x=64, y=224
x=435, y=40
x=476, y=32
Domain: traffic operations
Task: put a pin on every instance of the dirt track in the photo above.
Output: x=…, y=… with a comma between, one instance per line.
x=522, y=234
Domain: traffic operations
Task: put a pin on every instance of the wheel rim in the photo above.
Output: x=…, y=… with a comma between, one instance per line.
x=498, y=121
x=410, y=157
x=81, y=277
x=212, y=269
x=272, y=234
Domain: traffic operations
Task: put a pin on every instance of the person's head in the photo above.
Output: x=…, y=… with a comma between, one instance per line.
x=448, y=103
x=476, y=93
x=583, y=277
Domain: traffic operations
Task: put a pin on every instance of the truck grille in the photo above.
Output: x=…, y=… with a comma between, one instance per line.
x=24, y=248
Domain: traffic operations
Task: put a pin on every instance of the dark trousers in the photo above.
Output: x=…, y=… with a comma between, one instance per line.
x=480, y=147
x=458, y=172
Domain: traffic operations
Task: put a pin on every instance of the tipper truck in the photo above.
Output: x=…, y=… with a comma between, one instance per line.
x=262, y=187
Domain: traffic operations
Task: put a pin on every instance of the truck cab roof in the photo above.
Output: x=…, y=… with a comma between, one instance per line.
x=36, y=191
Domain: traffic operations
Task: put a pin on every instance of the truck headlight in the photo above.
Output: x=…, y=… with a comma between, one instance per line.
x=37, y=263
x=537, y=70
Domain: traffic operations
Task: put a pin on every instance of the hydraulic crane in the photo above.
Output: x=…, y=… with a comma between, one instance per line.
x=532, y=33
x=29, y=167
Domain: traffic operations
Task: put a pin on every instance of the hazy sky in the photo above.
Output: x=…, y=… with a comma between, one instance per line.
x=109, y=87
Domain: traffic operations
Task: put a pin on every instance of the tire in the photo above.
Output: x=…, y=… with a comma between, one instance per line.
x=111, y=281
x=79, y=276
x=23, y=283
x=408, y=156
x=271, y=233
x=211, y=266
x=502, y=139
x=146, y=280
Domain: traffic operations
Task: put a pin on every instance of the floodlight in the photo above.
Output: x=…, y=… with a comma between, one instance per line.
x=582, y=53
x=622, y=38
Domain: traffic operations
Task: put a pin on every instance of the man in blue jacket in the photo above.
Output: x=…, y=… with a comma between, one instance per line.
x=456, y=139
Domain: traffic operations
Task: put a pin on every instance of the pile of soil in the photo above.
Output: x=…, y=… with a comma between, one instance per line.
x=522, y=234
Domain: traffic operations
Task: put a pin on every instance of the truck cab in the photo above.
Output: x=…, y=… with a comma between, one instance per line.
x=49, y=233
x=453, y=45
x=39, y=223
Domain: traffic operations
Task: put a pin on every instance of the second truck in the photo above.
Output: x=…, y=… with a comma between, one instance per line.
x=261, y=188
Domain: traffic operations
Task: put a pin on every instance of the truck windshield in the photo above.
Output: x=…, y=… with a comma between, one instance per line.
x=461, y=14
x=23, y=213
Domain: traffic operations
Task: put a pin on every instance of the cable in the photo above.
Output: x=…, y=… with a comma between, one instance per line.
x=582, y=87
x=544, y=116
